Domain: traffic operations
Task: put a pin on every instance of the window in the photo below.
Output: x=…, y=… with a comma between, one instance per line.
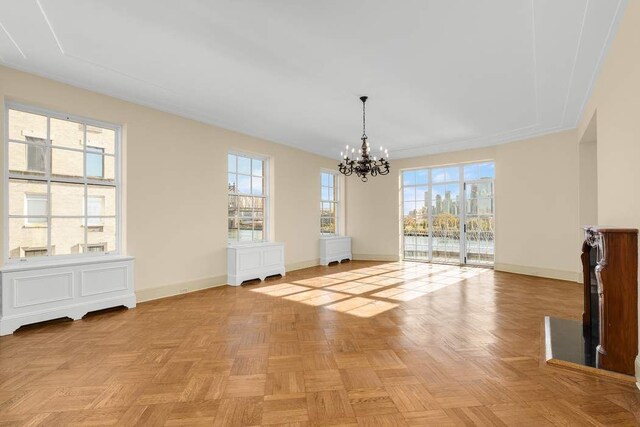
x=448, y=214
x=328, y=203
x=98, y=247
x=248, y=199
x=35, y=154
x=62, y=185
x=36, y=208
x=95, y=162
x=95, y=209
x=34, y=252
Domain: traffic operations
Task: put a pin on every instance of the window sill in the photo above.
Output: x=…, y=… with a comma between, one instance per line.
x=34, y=226
x=35, y=264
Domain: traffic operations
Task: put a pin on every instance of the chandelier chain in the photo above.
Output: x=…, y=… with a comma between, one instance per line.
x=364, y=119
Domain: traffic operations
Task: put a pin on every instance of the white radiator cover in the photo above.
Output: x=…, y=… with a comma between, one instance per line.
x=38, y=291
x=254, y=261
x=334, y=248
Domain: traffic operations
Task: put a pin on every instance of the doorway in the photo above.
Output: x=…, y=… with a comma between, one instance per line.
x=448, y=214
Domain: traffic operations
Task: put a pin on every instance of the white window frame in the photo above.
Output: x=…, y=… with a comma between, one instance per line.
x=336, y=201
x=117, y=181
x=266, y=184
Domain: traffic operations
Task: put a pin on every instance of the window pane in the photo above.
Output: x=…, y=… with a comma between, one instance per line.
x=22, y=125
x=67, y=199
x=101, y=138
x=327, y=226
x=102, y=238
x=108, y=197
x=19, y=159
x=36, y=159
x=109, y=169
x=487, y=170
x=24, y=238
x=409, y=193
x=325, y=194
x=66, y=164
x=422, y=194
x=232, y=184
x=437, y=191
x=244, y=165
x=480, y=189
x=437, y=175
x=422, y=177
x=66, y=134
x=256, y=185
x=37, y=206
x=259, y=206
x=95, y=162
x=231, y=163
x=67, y=236
x=244, y=184
x=232, y=233
x=471, y=172
x=324, y=179
x=19, y=190
x=409, y=178
x=256, y=167
x=245, y=228
x=452, y=173
x=409, y=208
x=485, y=206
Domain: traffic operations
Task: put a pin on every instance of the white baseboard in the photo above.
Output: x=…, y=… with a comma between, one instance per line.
x=375, y=257
x=165, y=291
x=572, y=276
x=158, y=292
x=302, y=264
x=638, y=371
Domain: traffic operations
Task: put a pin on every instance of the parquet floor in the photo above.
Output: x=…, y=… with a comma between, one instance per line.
x=361, y=343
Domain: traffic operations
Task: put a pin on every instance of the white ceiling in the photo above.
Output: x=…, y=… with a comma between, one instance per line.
x=442, y=75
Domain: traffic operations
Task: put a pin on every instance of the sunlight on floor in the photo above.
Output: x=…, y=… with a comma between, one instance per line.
x=385, y=286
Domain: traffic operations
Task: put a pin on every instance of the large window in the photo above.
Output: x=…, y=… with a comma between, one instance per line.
x=61, y=185
x=448, y=214
x=329, y=203
x=248, y=199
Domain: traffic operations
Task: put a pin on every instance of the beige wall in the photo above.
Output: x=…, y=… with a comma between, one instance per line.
x=616, y=100
x=176, y=186
x=536, y=196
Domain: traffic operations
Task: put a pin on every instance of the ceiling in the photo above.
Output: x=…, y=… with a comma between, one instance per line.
x=442, y=75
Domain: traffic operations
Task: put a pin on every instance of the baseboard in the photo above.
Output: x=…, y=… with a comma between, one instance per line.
x=158, y=292
x=302, y=264
x=539, y=272
x=375, y=257
x=638, y=370
x=179, y=288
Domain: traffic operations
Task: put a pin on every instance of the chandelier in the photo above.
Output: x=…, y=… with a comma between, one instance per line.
x=364, y=164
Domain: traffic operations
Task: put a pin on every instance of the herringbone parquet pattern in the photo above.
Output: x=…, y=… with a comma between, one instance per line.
x=356, y=344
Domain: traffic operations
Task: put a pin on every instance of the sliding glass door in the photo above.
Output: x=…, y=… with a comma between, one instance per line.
x=448, y=214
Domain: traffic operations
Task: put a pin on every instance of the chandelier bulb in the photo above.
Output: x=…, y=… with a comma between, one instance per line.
x=353, y=150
